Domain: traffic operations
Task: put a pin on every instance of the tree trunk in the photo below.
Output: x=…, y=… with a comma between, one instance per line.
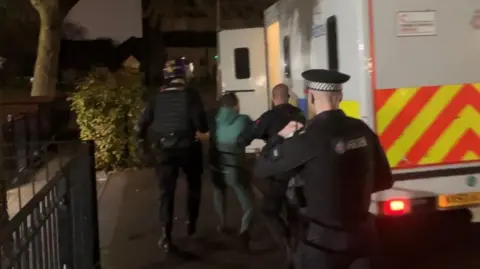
x=46, y=65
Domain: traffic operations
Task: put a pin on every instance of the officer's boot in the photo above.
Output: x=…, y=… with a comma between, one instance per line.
x=245, y=240
x=289, y=253
x=191, y=227
x=165, y=241
x=192, y=209
x=221, y=228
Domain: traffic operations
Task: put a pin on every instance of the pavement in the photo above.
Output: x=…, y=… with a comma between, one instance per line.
x=129, y=228
x=131, y=199
x=443, y=240
x=129, y=231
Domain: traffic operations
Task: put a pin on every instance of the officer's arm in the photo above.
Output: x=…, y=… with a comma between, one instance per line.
x=383, y=173
x=245, y=137
x=197, y=113
x=210, y=114
x=254, y=130
x=300, y=117
x=145, y=120
x=261, y=126
x=285, y=157
x=274, y=140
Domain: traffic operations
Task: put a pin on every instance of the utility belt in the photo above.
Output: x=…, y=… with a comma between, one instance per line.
x=330, y=238
x=174, y=140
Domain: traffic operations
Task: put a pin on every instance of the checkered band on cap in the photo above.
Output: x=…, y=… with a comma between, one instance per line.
x=326, y=87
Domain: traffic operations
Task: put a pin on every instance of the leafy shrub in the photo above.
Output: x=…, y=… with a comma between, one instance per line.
x=107, y=105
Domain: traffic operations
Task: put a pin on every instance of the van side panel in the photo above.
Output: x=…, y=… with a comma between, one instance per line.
x=427, y=98
x=425, y=88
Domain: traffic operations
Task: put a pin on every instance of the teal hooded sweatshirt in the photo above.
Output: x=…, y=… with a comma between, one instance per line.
x=229, y=125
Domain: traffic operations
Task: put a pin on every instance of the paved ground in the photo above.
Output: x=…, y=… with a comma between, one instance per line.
x=441, y=241
x=134, y=242
x=130, y=204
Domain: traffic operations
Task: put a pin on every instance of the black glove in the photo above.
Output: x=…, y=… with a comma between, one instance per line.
x=273, y=141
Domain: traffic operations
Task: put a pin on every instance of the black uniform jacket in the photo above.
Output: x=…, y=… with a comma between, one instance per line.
x=177, y=108
x=270, y=123
x=341, y=162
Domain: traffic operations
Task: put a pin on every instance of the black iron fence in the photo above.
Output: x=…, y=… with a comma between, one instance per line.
x=24, y=125
x=57, y=227
x=23, y=135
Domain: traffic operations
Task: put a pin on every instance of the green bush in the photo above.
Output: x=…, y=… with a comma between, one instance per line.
x=107, y=106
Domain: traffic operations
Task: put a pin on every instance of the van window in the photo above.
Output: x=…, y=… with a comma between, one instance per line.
x=332, y=44
x=286, y=56
x=242, y=63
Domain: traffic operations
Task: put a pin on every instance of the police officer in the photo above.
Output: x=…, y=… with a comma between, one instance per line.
x=174, y=114
x=342, y=163
x=266, y=127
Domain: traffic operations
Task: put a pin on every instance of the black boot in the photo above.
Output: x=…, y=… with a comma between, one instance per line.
x=289, y=254
x=245, y=240
x=191, y=228
x=222, y=229
x=165, y=241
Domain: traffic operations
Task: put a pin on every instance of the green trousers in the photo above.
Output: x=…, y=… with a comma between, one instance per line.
x=235, y=178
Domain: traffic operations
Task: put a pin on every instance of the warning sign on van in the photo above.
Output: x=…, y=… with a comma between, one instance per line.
x=416, y=23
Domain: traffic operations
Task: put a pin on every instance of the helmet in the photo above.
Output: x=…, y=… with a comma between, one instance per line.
x=178, y=68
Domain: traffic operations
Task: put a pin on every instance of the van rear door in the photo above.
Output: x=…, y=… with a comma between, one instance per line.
x=242, y=70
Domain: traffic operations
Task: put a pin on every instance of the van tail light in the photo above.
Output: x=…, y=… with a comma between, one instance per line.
x=396, y=207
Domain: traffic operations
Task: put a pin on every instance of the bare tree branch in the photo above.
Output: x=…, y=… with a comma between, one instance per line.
x=205, y=6
x=66, y=6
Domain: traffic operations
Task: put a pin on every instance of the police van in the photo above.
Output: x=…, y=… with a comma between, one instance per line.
x=414, y=80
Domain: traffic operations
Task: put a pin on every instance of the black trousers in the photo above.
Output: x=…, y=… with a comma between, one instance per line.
x=338, y=249
x=167, y=171
x=275, y=201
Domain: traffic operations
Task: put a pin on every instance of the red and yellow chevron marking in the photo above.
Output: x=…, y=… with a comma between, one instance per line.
x=429, y=125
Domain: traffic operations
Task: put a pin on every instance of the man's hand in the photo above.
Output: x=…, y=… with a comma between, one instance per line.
x=290, y=129
x=202, y=136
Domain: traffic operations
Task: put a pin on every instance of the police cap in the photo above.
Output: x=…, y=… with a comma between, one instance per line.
x=325, y=80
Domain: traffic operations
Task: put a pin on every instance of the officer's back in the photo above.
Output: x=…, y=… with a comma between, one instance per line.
x=271, y=122
x=279, y=116
x=266, y=128
x=344, y=161
x=174, y=114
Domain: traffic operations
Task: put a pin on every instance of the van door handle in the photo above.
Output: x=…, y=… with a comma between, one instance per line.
x=235, y=91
